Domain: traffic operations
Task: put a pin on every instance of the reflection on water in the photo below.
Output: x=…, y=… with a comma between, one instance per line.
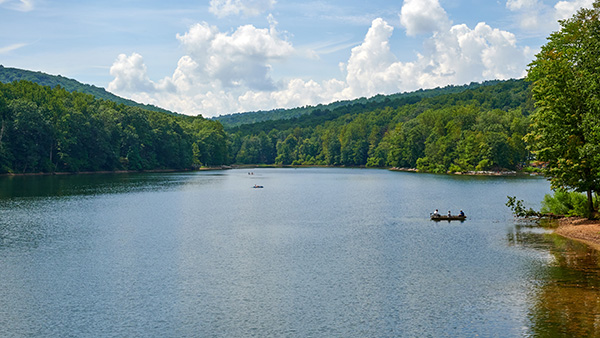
x=94, y=184
x=567, y=301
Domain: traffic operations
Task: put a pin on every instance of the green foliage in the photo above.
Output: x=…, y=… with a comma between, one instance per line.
x=375, y=162
x=8, y=75
x=519, y=209
x=566, y=203
x=47, y=130
x=479, y=126
x=566, y=86
x=458, y=132
x=378, y=101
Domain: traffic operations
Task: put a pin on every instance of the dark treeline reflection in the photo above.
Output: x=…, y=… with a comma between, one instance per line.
x=567, y=301
x=92, y=184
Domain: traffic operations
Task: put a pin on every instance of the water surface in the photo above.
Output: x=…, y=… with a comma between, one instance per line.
x=316, y=252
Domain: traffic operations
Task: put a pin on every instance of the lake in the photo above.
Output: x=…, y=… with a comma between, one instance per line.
x=317, y=252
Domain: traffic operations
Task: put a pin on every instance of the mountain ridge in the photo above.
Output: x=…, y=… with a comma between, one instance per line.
x=231, y=121
x=9, y=74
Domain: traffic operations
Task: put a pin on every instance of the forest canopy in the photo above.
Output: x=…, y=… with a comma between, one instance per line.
x=44, y=129
x=464, y=128
x=476, y=129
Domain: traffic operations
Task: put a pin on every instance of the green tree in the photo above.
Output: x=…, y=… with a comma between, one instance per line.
x=286, y=150
x=249, y=153
x=30, y=137
x=566, y=87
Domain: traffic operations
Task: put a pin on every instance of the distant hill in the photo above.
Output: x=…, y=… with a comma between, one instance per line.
x=479, y=127
x=504, y=95
x=239, y=119
x=8, y=75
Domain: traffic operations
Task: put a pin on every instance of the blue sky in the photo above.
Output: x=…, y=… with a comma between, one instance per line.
x=214, y=57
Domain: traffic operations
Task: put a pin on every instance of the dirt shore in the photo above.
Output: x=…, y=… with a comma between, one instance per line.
x=580, y=229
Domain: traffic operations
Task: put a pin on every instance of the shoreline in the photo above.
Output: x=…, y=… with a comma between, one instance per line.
x=580, y=229
x=245, y=166
x=410, y=170
x=474, y=173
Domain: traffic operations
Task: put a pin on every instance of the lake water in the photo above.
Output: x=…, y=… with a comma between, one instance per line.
x=317, y=252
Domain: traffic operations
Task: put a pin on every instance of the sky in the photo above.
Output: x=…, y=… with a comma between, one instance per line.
x=216, y=57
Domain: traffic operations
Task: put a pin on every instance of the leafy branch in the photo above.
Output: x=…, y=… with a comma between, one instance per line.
x=519, y=209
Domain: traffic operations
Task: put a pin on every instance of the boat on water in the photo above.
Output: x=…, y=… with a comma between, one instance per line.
x=257, y=186
x=438, y=217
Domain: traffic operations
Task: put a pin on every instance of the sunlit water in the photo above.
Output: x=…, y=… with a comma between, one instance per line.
x=315, y=253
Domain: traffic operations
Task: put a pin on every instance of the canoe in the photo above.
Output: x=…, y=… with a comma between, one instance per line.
x=448, y=218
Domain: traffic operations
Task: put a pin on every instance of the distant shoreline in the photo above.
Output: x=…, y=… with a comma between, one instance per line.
x=473, y=173
x=412, y=170
x=246, y=166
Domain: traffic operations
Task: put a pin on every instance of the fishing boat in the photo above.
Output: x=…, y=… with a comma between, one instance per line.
x=438, y=217
x=257, y=186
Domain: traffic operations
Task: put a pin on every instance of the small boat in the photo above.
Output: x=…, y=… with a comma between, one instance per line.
x=448, y=217
x=257, y=186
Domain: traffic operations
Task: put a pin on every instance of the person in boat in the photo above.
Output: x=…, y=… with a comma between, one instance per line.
x=436, y=213
x=461, y=214
x=449, y=213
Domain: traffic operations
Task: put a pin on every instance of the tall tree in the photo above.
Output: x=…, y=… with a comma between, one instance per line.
x=566, y=87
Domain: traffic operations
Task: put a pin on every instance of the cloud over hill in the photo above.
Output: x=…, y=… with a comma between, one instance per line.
x=230, y=71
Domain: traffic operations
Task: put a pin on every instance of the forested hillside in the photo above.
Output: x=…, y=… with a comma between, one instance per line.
x=476, y=129
x=8, y=75
x=456, y=128
x=45, y=129
x=238, y=119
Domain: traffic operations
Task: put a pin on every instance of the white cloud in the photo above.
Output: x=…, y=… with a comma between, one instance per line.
x=369, y=66
x=455, y=56
x=515, y=5
x=295, y=93
x=566, y=9
x=217, y=68
x=529, y=13
x=18, y=5
x=226, y=72
x=131, y=76
x=241, y=58
x=534, y=15
x=10, y=48
x=423, y=17
x=223, y=8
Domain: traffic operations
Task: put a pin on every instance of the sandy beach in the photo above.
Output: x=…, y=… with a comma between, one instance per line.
x=581, y=229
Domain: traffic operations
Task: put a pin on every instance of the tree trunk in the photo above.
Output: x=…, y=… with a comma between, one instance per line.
x=590, y=201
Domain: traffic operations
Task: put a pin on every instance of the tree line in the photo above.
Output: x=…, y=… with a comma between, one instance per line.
x=45, y=129
x=477, y=129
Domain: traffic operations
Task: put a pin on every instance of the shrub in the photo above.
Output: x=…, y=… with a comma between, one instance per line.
x=567, y=203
